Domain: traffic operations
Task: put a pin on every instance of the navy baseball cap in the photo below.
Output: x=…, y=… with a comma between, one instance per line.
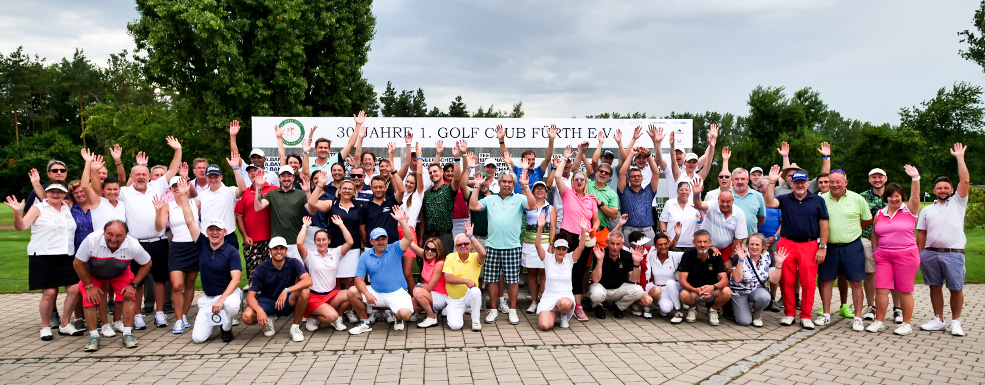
x=798, y=175
x=213, y=169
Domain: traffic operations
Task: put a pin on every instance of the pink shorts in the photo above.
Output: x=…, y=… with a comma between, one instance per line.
x=400, y=231
x=896, y=269
x=116, y=284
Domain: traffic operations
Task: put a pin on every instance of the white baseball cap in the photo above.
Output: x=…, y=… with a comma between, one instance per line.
x=285, y=168
x=217, y=223
x=877, y=171
x=174, y=180
x=257, y=151
x=561, y=243
x=276, y=241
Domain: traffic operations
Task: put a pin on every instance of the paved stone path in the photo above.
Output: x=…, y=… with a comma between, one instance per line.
x=631, y=350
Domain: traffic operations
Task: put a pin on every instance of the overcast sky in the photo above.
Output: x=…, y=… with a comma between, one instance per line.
x=867, y=59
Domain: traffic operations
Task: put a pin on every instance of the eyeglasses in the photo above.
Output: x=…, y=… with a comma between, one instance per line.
x=58, y=170
x=462, y=244
x=579, y=179
x=724, y=177
x=355, y=175
x=430, y=250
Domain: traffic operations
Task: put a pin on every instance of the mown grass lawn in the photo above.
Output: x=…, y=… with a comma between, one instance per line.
x=13, y=256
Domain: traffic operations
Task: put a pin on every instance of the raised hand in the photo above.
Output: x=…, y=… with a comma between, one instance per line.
x=391, y=148
x=97, y=162
x=183, y=170
x=542, y=220
x=159, y=203
x=500, y=132
x=784, y=149
x=463, y=146
x=471, y=160
x=911, y=171
x=173, y=143
x=234, y=128
x=14, y=204
x=143, y=159
x=419, y=148
x=439, y=147
x=678, y=227
x=552, y=132
x=359, y=118
x=825, y=149
x=93, y=166
x=671, y=137
x=305, y=182
x=583, y=146
x=363, y=132
x=637, y=132
x=86, y=155
x=726, y=153
x=306, y=144
x=306, y=220
x=409, y=137
x=568, y=151
x=469, y=227
x=479, y=178
x=638, y=253
x=323, y=177
x=774, y=173
x=618, y=137
x=337, y=220
x=958, y=150
x=258, y=182
x=34, y=176
x=625, y=218
x=183, y=188
x=601, y=138
x=657, y=134
x=583, y=223
x=116, y=152
x=741, y=252
x=279, y=131
x=697, y=185
x=233, y=159
x=312, y=133
x=556, y=163
x=781, y=255
x=599, y=254
x=398, y=214
x=712, y=133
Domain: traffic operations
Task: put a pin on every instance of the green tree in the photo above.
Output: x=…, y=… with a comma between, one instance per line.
x=458, y=109
x=975, y=51
x=953, y=115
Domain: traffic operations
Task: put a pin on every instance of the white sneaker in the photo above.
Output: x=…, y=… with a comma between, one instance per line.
x=514, y=319
x=268, y=331
x=786, y=320
x=138, y=323
x=476, y=326
x=338, y=324
x=503, y=306
x=389, y=317
x=858, y=325
x=184, y=320
x=869, y=313
x=757, y=322
x=823, y=319
x=492, y=316
x=956, y=328
x=533, y=308
x=933, y=325
x=69, y=330
x=108, y=331
x=46, y=334
x=806, y=323
x=903, y=330
x=234, y=321
x=875, y=327
x=160, y=319
x=678, y=317
x=398, y=325
x=296, y=334
x=360, y=329
x=636, y=310
x=713, y=317
x=692, y=315
x=351, y=317
x=564, y=322
x=898, y=315
x=647, y=314
x=118, y=326
x=428, y=322
x=311, y=324
x=179, y=327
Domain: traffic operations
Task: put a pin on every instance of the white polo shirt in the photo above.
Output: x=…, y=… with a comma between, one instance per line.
x=140, y=208
x=106, y=212
x=659, y=273
x=323, y=269
x=104, y=264
x=688, y=217
x=52, y=233
x=944, y=223
x=219, y=204
x=724, y=230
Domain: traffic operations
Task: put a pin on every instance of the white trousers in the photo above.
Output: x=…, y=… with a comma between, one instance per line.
x=456, y=308
x=203, y=325
x=670, y=296
x=622, y=296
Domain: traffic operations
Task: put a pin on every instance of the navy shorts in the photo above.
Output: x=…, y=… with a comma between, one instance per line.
x=267, y=304
x=939, y=268
x=848, y=259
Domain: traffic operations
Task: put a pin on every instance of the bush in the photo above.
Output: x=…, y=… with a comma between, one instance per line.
x=975, y=215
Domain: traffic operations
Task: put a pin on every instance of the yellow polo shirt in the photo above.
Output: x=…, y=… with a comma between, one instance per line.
x=469, y=269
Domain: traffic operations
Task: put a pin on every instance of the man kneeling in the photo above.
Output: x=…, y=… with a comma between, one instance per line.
x=461, y=272
x=279, y=287
x=615, y=274
x=384, y=263
x=703, y=279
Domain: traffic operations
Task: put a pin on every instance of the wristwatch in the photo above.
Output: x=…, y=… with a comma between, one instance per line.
x=822, y=246
x=134, y=284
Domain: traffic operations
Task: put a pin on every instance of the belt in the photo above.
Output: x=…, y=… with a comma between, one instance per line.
x=151, y=240
x=841, y=244
x=940, y=250
x=801, y=240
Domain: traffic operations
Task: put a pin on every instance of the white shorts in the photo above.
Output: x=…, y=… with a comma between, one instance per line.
x=530, y=258
x=348, y=264
x=548, y=302
x=395, y=301
x=439, y=301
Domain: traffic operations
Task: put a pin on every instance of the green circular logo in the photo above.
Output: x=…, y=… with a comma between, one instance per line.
x=293, y=132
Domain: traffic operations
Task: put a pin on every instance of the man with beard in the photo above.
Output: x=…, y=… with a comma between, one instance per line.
x=437, y=203
x=286, y=205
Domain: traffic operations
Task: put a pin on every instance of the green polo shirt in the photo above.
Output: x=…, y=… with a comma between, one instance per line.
x=505, y=219
x=845, y=216
x=285, y=213
x=606, y=195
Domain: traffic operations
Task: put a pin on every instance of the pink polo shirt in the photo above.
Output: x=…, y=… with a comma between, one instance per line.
x=896, y=233
x=575, y=209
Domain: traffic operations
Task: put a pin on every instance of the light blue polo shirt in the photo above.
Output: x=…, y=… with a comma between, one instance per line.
x=505, y=218
x=753, y=205
x=386, y=272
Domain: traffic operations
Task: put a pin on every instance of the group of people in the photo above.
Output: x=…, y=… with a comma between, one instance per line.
x=338, y=239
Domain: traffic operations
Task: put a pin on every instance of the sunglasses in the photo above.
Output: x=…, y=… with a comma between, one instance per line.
x=355, y=175
x=724, y=177
x=604, y=172
x=840, y=171
x=58, y=170
x=462, y=244
x=430, y=250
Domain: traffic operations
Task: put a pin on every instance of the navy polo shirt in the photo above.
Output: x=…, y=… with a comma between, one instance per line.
x=375, y=215
x=801, y=218
x=268, y=281
x=216, y=265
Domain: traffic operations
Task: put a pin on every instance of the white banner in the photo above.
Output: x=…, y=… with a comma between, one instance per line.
x=480, y=132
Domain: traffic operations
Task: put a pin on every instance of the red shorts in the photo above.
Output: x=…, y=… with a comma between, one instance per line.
x=116, y=284
x=727, y=252
x=316, y=300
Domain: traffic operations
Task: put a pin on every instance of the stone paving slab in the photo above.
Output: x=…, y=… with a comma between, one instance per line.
x=630, y=350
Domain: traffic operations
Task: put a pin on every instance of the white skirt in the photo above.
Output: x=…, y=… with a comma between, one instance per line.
x=348, y=264
x=548, y=302
x=530, y=258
